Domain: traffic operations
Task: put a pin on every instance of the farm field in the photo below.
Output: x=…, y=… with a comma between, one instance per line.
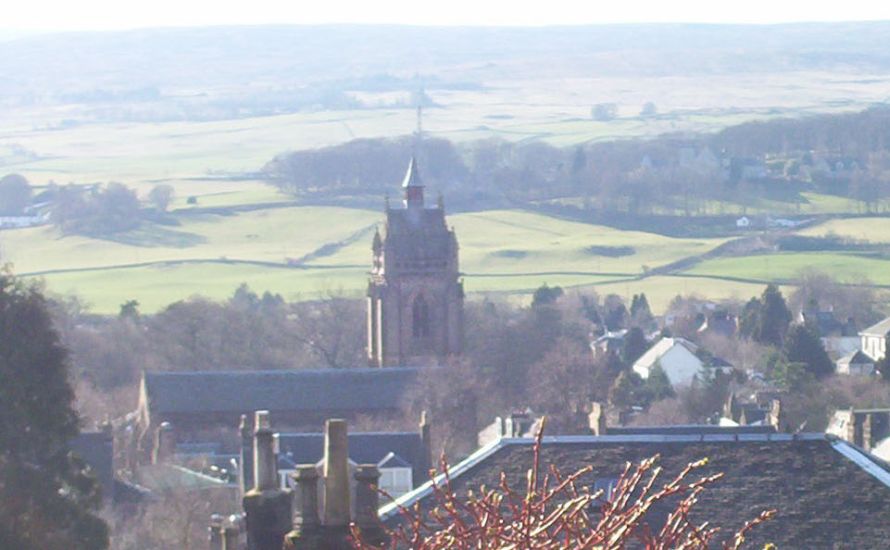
x=873, y=230
x=784, y=267
x=327, y=249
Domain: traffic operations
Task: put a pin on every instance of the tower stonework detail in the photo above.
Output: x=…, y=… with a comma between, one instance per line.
x=415, y=296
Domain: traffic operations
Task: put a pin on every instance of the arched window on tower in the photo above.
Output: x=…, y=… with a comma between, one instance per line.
x=421, y=318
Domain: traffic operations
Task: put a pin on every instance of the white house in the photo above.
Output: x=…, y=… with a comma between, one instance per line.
x=677, y=357
x=874, y=339
x=744, y=221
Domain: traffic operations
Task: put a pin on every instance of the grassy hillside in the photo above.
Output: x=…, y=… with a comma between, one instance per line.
x=849, y=267
x=305, y=251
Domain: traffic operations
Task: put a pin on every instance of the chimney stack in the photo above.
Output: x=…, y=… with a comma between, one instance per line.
x=597, y=418
x=215, y=534
x=165, y=443
x=332, y=532
x=230, y=536
x=245, y=477
x=426, y=445
x=776, y=415
x=267, y=507
x=336, y=473
x=867, y=431
x=366, y=504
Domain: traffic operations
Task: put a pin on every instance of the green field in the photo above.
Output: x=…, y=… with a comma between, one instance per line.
x=873, y=230
x=786, y=267
x=306, y=251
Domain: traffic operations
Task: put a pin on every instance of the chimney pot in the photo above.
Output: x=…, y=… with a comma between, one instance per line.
x=265, y=473
x=336, y=474
x=597, y=419
x=215, y=534
x=231, y=534
x=306, y=481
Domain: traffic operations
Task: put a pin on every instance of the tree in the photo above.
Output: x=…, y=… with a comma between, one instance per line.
x=640, y=314
x=766, y=320
x=545, y=295
x=635, y=345
x=627, y=390
x=803, y=346
x=160, y=196
x=15, y=194
x=47, y=496
x=129, y=309
x=604, y=111
x=649, y=109
x=658, y=385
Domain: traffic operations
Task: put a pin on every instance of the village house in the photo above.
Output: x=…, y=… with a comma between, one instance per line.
x=678, y=358
x=874, y=339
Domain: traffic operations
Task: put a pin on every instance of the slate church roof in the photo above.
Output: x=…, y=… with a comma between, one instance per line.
x=827, y=493
x=363, y=389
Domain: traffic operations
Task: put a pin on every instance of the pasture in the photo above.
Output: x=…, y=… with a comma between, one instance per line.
x=307, y=251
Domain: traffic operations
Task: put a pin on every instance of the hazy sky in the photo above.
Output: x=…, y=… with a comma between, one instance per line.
x=122, y=14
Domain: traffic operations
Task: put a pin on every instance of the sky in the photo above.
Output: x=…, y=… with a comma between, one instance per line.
x=43, y=15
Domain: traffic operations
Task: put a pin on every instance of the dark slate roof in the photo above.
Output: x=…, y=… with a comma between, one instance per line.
x=827, y=493
x=285, y=390
x=689, y=429
x=364, y=448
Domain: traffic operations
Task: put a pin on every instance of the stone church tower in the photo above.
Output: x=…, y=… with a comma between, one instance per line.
x=415, y=296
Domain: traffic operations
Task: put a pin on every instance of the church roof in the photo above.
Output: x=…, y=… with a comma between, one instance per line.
x=284, y=390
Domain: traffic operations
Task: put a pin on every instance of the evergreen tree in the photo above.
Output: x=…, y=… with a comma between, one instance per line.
x=658, y=385
x=545, y=295
x=640, y=313
x=635, y=345
x=774, y=317
x=627, y=390
x=803, y=346
x=47, y=498
x=750, y=318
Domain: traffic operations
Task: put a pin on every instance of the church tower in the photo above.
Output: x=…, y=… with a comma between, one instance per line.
x=415, y=296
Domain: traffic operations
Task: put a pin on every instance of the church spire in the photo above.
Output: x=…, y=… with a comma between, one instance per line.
x=413, y=186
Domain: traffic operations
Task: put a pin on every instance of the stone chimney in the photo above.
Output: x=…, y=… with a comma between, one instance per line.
x=267, y=507
x=164, y=444
x=331, y=531
x=597, y=418
x=366, y=504
x=245, y=476
x=776, y=415
x=215, y=533
x=336, y=474
x=867, y=426
x=231, y=538
x=426, y=445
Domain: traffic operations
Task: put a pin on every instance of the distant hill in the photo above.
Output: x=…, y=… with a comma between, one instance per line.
x=183, y=60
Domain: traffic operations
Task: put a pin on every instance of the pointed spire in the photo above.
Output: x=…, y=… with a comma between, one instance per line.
x=412, y=175
x=413, y=186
